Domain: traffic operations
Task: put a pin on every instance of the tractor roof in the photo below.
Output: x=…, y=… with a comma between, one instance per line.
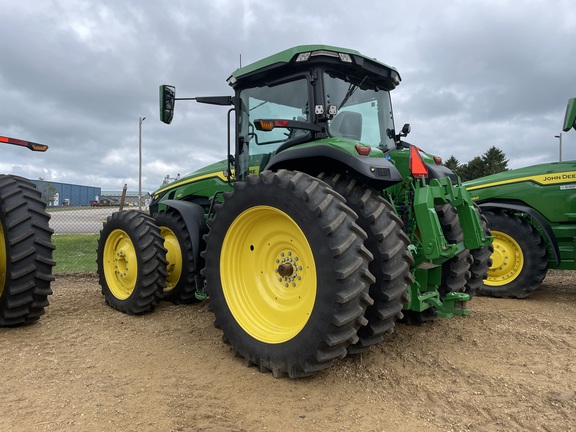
x=304, y=54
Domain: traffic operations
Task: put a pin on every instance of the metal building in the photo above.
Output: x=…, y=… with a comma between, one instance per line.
x=65, y=194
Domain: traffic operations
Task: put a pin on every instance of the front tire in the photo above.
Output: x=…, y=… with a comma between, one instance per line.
x=287, y=273
x=25, y=252
x=519, y=261
x=131, y=262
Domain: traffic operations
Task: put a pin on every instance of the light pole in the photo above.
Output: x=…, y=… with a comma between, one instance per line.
x=140, y=120
x=560, y=140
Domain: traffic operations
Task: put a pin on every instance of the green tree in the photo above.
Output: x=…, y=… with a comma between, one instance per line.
x=453, y=164
x=473, y=169
x=492, y=161
x=48, y=190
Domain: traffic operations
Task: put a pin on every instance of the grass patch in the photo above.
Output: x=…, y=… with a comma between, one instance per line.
x=75, y=252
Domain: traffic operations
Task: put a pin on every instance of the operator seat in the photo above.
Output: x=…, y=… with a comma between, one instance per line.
x=347, y=124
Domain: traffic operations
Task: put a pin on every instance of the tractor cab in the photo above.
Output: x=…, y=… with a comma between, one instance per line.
x=312, y=93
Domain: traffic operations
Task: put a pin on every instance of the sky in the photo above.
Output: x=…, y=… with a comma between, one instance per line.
x=78, y=75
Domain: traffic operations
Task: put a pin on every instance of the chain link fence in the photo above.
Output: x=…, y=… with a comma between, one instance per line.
x=76, y=233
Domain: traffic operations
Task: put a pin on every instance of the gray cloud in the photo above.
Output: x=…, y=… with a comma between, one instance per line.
x=77, y=75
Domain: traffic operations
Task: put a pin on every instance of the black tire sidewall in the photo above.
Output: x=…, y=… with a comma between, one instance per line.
x=147, y=292
x=319, y=321
x=533, y=250
x=308, y=349
x=28, y=248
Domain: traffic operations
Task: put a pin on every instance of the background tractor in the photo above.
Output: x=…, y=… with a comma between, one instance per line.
x=25, y=247
x=320, y=230
x=531, y=212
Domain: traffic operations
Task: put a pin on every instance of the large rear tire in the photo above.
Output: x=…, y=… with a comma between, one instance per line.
x=455, y=271
x=25, y=252
x=482, y=260
x=287, y=273
x=520, y=258
x=392, y=261
x=131, y=262
x=180, y=285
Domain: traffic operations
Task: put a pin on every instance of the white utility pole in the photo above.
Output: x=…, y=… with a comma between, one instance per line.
x=560, y=140
x=140, y=120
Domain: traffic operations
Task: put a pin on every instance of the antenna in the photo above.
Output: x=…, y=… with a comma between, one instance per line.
x=240, y=60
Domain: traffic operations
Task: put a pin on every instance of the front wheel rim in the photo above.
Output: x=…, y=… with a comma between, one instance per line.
x=507, y=260
x=121, y=265
x=173, y=256
x=268, y=274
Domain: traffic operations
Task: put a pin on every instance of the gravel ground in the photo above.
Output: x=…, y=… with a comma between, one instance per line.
x=509, y=366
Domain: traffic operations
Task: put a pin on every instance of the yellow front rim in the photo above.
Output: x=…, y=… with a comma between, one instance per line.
x=3, y=260
x=174, y=257
x=268, y=274
x=120, y=264
x=507, y=260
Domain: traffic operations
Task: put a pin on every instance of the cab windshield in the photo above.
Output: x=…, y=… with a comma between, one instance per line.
x=363, y=111
x=288, y=101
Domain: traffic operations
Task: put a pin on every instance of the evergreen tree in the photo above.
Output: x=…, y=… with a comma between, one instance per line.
x=494, y=161
x=473, y=169
x=452, y=163
x=491, y=162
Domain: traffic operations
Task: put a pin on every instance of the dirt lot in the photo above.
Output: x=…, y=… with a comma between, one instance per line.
x=509, y=366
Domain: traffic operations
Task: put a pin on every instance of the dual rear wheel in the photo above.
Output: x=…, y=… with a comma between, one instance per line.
x=300, y=271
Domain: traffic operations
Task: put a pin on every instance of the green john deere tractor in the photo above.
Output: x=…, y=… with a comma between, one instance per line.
x=25, y=247
x=319, y=231
x=531, y=212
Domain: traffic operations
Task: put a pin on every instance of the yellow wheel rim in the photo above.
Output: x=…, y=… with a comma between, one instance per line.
x=3, y=260
x=120, y=264
x=174, y=257
x=268, y=274
x=507, y=260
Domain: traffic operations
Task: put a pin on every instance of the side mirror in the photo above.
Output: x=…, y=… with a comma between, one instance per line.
x=167, y=100
x=405, y=129
x=570, y=116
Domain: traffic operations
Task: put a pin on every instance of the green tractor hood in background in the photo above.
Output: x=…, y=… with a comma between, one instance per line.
x=531, y=212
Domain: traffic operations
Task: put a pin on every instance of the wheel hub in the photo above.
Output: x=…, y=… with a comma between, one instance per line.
x=288, y=269
x=121, y=264
x=285, y=270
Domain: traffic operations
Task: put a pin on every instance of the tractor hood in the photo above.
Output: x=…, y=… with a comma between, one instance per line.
x=214, y=170
x=543, y=174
